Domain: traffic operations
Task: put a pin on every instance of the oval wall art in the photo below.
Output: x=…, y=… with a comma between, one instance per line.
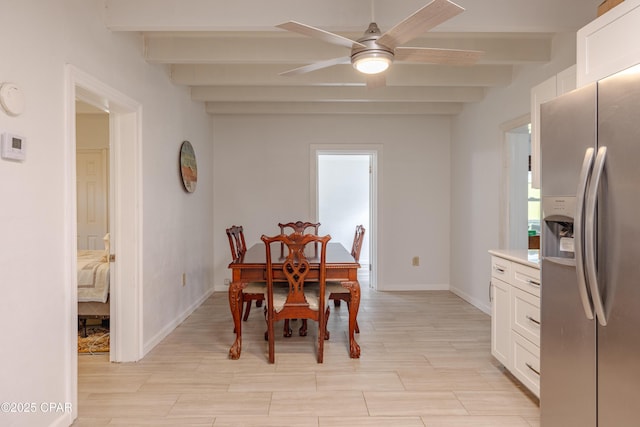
x=188, y=166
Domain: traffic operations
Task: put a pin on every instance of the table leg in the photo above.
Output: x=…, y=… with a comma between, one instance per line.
x=235, y=304
x=354, y=290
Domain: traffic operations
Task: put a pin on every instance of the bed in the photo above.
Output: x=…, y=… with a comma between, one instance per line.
x=93, y=285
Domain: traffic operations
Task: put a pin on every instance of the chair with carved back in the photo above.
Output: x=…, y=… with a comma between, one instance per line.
x=297, y=298
x=298, y=227
x=253, y=291
x=335, y=290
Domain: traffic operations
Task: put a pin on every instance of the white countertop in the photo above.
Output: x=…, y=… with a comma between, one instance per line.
x=522, y=256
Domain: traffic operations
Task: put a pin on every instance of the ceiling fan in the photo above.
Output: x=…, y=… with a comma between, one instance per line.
x=374, y=52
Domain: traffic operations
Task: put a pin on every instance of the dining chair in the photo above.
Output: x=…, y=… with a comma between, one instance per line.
x=300, y=299
x=335, y=290
x=253, y=291
x=298, y=227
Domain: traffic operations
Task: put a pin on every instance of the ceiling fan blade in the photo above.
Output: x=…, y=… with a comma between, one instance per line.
x=317, y=66
x=437, y=56
x=317, y=33
x=376, y=80
x=431, y=15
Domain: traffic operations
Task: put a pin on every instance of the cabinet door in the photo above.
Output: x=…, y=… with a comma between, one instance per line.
x=526, y=363
x=501, y=321
x=526, y=315
x=605, y=45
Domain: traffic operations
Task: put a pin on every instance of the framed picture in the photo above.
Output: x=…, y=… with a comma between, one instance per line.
x=188, y=166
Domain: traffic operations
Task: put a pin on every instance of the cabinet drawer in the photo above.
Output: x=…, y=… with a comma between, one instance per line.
x=526, y=278
x=525, y=311
x=526, y=363
x=501, y=268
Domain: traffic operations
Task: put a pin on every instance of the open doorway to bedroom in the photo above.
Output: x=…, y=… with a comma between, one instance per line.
x=124, y=219
x=92, y=201
x=121, y=165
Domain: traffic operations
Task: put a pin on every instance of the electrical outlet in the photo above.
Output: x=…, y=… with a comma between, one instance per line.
x=184, y=279
x=227, y=282
x=415, y=261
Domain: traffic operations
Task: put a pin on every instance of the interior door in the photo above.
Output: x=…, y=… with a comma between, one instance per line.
x=91, y=169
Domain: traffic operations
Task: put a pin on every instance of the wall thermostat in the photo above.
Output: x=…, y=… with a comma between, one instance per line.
x=13, y=147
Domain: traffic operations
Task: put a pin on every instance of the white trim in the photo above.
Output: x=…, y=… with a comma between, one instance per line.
x=70, y=246
x=476, y=302
x=411, y=287
x=375, y=216
x=162, y=334
x=125, y=210
x=504, y=220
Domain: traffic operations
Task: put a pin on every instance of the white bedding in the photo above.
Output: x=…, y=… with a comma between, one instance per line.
x=93, y=276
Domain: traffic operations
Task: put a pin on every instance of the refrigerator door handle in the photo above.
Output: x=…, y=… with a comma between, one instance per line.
x=578, y=231
x=590, y=235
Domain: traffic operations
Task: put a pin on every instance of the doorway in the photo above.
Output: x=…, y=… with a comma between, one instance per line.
x=345, y=195
x=520, y=202
x=124, y=220
x=93, y=248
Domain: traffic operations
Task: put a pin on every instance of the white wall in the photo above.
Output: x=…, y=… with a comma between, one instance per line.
x=262, y=177
x=476, y=172
x=39, y=39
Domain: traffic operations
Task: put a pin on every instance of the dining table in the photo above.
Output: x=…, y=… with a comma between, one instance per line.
x=252, y=267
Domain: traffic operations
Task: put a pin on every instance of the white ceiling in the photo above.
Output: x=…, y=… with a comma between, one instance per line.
x=230, y=53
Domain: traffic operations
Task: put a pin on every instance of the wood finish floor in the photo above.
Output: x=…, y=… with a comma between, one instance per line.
x=425, y=362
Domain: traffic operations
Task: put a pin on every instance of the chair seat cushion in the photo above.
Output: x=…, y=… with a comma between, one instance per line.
x=255, y=288
x=336, y=288
x=312, y=294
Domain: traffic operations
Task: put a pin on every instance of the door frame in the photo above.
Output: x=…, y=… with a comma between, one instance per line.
x=125, y=219
x=504, y=233
x=375, y=196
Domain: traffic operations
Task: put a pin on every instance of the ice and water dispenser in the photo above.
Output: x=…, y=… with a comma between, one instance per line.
x=558, y=214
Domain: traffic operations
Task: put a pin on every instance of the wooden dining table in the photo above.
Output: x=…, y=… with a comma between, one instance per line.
x=252, y=267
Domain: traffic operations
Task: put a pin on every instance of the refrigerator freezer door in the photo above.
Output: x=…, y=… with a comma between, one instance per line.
x=567, y=352
x=619, y=251
x=568, y=341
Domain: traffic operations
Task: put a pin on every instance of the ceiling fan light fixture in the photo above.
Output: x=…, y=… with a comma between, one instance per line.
x=372, y=62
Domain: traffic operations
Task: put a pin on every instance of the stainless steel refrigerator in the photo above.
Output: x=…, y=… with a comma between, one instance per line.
x=590, y=294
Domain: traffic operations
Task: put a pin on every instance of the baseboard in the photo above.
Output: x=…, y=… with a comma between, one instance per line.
x=480, y=305
x=414, y=287
x=164, y=332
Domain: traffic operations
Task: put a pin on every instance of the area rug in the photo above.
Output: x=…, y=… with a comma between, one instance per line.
x=96, y=341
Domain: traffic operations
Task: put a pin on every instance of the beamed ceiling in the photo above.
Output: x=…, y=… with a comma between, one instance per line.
x=230, y=53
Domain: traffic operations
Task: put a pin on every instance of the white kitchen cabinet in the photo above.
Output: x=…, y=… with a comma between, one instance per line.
x=500, y=315
x=608, y=44
x=526, y=363
x=515, y=314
